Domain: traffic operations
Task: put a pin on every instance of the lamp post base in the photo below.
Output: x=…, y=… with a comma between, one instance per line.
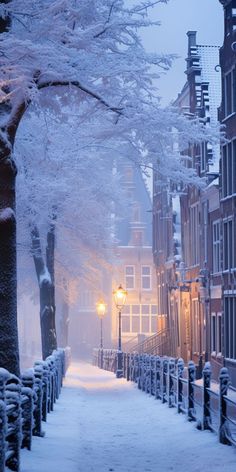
x=119, y=374
x=119, y=370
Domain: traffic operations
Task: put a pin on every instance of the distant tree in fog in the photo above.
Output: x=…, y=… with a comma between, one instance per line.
x=66, y=191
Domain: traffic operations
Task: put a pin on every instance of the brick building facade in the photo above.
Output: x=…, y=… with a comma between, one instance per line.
x=227, y=116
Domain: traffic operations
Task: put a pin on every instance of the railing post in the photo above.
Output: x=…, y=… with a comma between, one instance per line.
x=152, y=370
x=124, y=364
x=3, y=428
x=163, y=380
x=46, y=381
x=147, y=374
x=180, y=370
x=136, y=368
x=128, y=367
x=170, y=383
x=144, y=372
x=206, y=373
x=38, y=372
x=101, y=359
x=27, y=408
x=13, y=392
x=4, y=376
x=140, y=362
x=157, y=376
x=191, y=378
x=224, y=383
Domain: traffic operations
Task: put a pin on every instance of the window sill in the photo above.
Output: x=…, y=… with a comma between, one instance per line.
x=228, y=197
x=228, y=117
x=232, y=361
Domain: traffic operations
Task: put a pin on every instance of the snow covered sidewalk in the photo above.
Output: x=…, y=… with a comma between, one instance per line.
x=105, y=424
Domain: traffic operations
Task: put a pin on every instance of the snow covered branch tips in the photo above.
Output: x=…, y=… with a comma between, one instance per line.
x=50, y=49
x=92, y=45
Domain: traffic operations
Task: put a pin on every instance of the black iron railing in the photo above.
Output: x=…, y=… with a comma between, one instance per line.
x=157, y=344
x=212, y=405
x=25, y=403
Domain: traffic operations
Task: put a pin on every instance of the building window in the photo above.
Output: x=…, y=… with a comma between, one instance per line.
x=216, y=247
x=145, y=324
x=229, y=169
x=145, y=309
x=228, y=245
x=216, y=333
x=139, y=319
x=125, y=323
x=203, y=156
x=146, y=277
x=87, y=300
x=219, y=333
x=234, y=164
x=126, y=310
x=230, y=327
x=205, y=228
x=154, y=324
x=130, y=277
x=194, y=234
x=135, y=309
x=135, y=324
x=229, y=92
x=196, y=326
x=213, y=333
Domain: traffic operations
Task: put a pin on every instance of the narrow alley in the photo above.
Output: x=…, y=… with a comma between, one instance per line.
x=105, y=424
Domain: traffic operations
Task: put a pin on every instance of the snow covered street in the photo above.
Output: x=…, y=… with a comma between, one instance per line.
x=105, y=424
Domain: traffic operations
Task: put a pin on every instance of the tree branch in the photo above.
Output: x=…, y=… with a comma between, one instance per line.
x=76, y=83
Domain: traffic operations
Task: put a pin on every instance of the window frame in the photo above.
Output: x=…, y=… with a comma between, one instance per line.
x=230, y=326
x=145, y=277
x=130, y=276
x=216, y=247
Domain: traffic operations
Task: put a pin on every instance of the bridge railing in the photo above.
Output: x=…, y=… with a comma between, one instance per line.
x=212, y=405
x=25, y=403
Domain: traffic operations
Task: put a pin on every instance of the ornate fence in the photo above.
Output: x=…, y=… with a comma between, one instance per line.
x=25, y=403
x=212, y=405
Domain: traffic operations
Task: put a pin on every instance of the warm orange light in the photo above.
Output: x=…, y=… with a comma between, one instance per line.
x=101, y=308
x=120, y=297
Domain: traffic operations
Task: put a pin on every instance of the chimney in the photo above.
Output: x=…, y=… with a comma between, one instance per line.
x=192, y=40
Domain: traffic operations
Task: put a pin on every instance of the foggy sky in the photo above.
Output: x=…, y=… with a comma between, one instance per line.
x=178, y=17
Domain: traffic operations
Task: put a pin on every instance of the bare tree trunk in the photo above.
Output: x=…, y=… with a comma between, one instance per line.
x=9, y=349
x=64, y=320
x=45, y=275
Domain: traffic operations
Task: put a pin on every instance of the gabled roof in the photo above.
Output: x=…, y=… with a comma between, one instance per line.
x=209, y=59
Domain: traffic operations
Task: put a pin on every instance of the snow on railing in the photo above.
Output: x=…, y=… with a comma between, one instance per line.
x=25, y=403
x=212, y=405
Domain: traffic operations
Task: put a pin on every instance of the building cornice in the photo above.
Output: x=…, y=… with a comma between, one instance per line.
x=225, y=2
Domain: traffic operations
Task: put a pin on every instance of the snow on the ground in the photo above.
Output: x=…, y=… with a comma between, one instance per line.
x=105, y=424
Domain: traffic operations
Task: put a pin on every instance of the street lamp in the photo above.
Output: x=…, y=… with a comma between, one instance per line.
x=120, y=298
x=101, y=310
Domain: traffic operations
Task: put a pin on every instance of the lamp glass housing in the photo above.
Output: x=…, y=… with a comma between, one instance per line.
x=120, y=297
x=101, y=308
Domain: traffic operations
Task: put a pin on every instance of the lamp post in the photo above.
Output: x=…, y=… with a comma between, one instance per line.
x=120, y=298
x=101, y=310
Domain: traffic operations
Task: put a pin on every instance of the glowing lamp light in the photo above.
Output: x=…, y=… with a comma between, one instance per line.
x=120, y=297
x=101, y=308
